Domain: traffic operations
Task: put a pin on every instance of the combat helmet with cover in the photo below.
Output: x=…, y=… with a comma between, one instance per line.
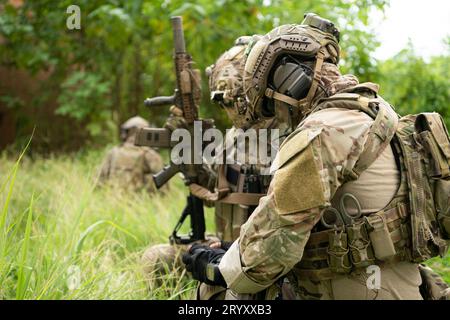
x=226, y=82
x=285, y=64
x=129, y=127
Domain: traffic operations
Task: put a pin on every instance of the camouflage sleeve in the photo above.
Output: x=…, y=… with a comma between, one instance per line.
x=105, y=168
x=309, y=169
x=153, y=161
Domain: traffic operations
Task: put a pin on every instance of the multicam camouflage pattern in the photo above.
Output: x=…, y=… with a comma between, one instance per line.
x=130, y=167
x=225, y=79
x=433, y=287
x=311, y=169
x=228, y=219
x=424, y=144
x=226, y=86
x=134, y=122
x=273, y=239
x=332, y=81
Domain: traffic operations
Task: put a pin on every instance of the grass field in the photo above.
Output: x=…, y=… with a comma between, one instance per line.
x=60, y=238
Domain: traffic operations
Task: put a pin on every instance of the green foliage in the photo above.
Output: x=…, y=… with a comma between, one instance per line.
x=123, y=53
x=53, y=222
x=126, y=47
x=86, y=90
x=413, y=85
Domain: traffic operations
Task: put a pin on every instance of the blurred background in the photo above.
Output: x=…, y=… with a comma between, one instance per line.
x=63, y=238
x=76, y=86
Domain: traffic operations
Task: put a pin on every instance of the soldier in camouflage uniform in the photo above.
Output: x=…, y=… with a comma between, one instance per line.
x=338, y=202
x=224, y=184
x=128, y=166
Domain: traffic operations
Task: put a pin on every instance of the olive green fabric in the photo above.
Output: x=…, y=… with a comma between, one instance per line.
x=130, y=167
x=300, y=173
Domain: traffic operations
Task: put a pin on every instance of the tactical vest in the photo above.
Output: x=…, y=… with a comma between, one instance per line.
x=415, y=225
x=127, y=166
x=240, y=187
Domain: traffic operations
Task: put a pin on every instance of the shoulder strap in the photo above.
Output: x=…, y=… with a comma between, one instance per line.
x=380, y=135
x=382, y=130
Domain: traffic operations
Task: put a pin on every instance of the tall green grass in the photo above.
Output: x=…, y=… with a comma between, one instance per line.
x=62, y=238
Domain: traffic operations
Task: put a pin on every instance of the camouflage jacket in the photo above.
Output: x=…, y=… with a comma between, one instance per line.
x=131, y=167
x=309, y=172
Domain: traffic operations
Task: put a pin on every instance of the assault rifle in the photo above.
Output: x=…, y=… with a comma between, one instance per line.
x=186, y=97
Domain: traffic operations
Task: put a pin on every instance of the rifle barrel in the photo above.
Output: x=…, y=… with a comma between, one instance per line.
x=178, y=35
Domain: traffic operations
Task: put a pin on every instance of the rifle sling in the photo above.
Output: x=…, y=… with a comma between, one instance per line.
x=203, y=193
x=245, y=199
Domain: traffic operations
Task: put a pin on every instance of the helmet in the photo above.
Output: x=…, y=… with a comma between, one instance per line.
x=129, y=127
x=285, y=64
x=225, y=82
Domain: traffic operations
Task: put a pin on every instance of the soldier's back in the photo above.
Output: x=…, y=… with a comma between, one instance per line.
x=131, y=167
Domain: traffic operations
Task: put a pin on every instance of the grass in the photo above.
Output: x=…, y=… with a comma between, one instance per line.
x=61, y=238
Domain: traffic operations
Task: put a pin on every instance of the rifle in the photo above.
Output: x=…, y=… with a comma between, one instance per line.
x=194, y=209
x=186, y=97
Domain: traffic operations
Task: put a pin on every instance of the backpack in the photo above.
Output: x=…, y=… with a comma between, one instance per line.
x=421, y=144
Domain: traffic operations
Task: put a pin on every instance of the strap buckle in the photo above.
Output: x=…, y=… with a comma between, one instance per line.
x=269, y=93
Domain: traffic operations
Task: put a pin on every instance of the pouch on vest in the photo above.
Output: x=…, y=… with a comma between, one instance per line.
x=380, y=238
x=338, y=252
x=433, y=136
x=442, y=201
x=361, y=253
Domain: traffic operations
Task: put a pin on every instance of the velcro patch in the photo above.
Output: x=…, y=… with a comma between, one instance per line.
x=297, y=184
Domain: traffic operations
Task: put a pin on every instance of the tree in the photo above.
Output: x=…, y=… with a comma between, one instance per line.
x=122, y=54
x=413, y=85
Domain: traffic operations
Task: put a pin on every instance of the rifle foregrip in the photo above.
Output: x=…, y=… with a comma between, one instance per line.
x=159, y=101
x=165, y=175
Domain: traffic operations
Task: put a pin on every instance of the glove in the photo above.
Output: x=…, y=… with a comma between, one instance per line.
x=175, y=120
x=225, y=245
x=203, y=263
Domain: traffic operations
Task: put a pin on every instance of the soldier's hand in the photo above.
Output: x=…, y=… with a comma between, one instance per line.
x=225, y=245
x=203, y=261
x=175, y=120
